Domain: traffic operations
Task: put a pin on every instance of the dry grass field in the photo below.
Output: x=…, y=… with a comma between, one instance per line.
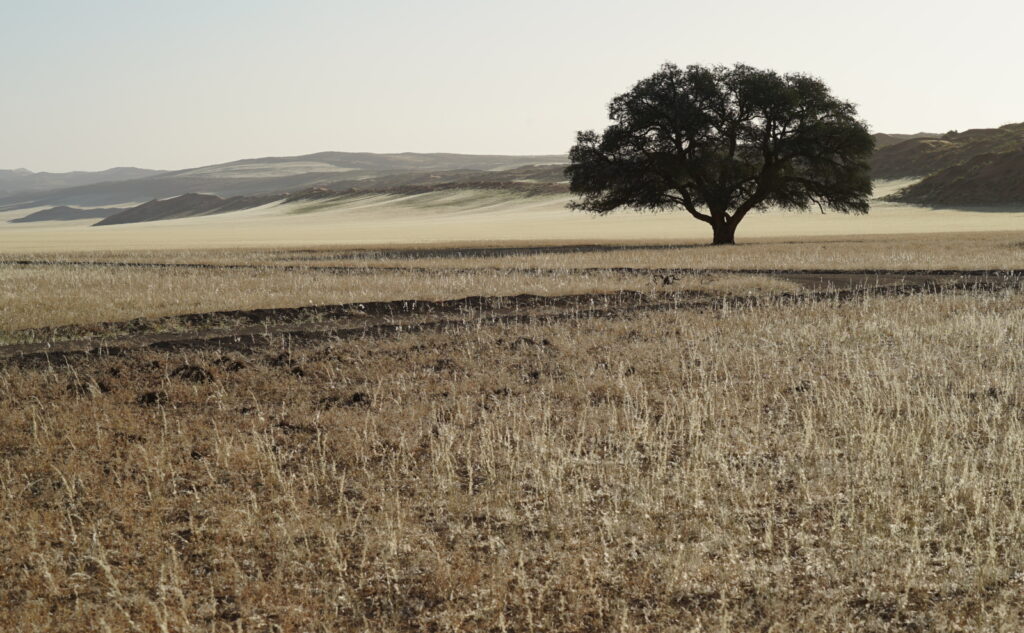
x=57, y=289
x=991, y=250
x=37, y=296
x=638, y=445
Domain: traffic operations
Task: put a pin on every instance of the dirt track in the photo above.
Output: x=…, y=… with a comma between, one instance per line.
x=252, y=328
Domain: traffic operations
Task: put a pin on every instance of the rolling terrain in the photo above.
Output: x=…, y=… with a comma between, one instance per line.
x=359, y=198
x=21, y=181
x=919, y=157
x=264, y=176
x=986, y=179
x=186, y=206
x=885, y=140
x=66, y=214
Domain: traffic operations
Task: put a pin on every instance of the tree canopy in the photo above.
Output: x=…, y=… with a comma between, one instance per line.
x=720, y=141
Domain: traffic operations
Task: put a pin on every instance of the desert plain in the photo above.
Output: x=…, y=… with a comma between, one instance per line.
x=474, y=217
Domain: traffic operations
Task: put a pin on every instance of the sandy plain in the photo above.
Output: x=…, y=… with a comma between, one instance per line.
x=473, y=216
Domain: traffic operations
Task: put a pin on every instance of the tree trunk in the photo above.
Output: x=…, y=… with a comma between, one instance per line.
x=725, y=232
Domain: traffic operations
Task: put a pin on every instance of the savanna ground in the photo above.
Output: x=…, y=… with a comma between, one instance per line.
x=817, y=435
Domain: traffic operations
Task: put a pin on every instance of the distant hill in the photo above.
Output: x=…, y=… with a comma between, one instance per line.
x=64, y=214
x=983, y=177
x=267, y=175
x=536, y=178
x=188, y=205
x=14, y=181
x=885, y=140
x=920, y=157
x=988, y=179
x=527, y=180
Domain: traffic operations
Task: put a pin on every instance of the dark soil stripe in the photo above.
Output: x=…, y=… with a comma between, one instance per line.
x=62, y=352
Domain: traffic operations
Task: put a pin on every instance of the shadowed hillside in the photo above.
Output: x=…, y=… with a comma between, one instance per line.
x=529, y=180
x=987, y=179
x=65, y=214
x=923, y=156
x=188, y=205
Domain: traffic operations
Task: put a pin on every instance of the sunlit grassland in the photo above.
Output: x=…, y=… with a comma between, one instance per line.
x=49, y=295
x=803, y=466
x=948, y=251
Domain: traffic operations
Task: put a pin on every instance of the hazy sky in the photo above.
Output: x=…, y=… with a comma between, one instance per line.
x=102, y=83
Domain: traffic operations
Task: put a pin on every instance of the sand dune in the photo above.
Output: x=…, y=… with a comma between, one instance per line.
x=473, y=216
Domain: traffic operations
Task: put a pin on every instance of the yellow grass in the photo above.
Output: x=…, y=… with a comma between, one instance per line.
x=952, y=251
x=36, y=296
x=54, y=292
x=794, y=465
x=813, y=467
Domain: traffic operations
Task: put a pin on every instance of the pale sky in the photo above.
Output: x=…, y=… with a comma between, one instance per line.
x=92, y=84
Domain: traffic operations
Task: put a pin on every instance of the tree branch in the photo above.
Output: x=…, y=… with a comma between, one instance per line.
x=687, y=202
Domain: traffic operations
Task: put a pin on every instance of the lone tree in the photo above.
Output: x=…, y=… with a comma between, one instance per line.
x=720, y=141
